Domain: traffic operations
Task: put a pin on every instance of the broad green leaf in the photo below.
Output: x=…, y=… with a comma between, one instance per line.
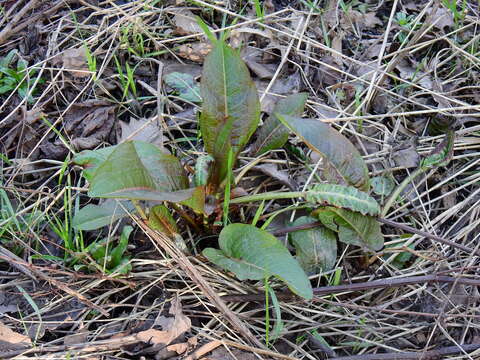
x=230, y=108
x=333, y=146
x=139, y=170
x=442, y=153
x=185, y=85
x=92, y=217
x=316, y=248
x=255, y=254
x=273, y=134
x=161, y=219
x=382, y=185
x=343, y=196
x=357, y=229
x=90, y=160
x=242, y=269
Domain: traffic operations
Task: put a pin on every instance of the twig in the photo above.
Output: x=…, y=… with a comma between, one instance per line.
x=7, y=30
x=265, y=352
x=16, y=262
x=204, y=349
x=376, y=284
x=410, y=355
x=286, y=230
x=428, y=235
x=289, y=229
x=193, y=273
x=32, y=273
x=393, y=197
x=35, y=17
x=87, y=347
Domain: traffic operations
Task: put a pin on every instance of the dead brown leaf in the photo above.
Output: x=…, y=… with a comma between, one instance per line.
x=142, y=130
x=238, y=192
x=195, y=52
x=449, y=198
x=253, y=58
x=204, y=349
x=358, y=19
x=272, y=170
x=337, y=46
x=87, y=124
x=325, y=112
x=23, y=132
x=180, y=325
x=326, y=74
x=75, y=62
x=178, y=348
x=282, y=86
x=174, y=66
x=76, y=338
x=11, y=340
x=442, y=18
x=185, y=23
x=193, y=341
x=232, y=354
x=412, y=73
x=373, y=51
x=407, y=158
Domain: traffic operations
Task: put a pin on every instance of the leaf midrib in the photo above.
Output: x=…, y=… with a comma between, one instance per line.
x=224, y=74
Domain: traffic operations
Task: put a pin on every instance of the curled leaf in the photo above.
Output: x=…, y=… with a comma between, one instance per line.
x=255, y=254
x=343, y=196
x=442, y=153
x=333, y=146
x=352, y=227
x=203, y=167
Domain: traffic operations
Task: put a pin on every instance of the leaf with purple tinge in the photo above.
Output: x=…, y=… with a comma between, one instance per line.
x=273, y=134
x=333, y=146
x=230, y=108
x=138, y=170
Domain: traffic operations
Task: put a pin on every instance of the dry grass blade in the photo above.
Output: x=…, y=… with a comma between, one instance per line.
x=390, y=76
x=180, y=258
